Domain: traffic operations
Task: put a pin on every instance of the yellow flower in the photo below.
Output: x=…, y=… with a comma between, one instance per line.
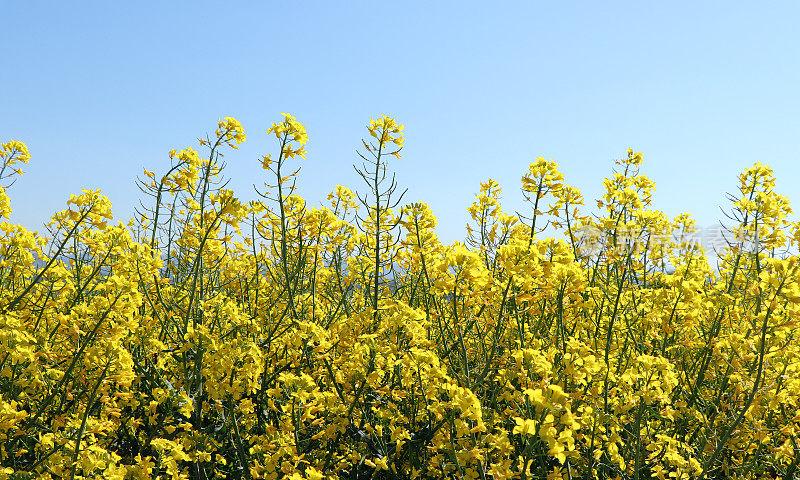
x=231, y=130
x=524, y=426
x=387, y=130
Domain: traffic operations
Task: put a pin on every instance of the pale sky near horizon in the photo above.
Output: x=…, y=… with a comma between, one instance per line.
x=101, y=90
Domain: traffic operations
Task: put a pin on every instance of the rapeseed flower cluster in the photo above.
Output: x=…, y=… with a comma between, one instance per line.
x=218, y=338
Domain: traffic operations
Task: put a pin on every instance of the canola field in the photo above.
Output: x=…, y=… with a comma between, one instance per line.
x=212, y=338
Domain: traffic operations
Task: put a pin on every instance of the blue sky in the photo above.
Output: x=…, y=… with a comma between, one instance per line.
x=100, y=90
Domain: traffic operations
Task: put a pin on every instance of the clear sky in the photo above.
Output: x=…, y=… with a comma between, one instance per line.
x=100, y=90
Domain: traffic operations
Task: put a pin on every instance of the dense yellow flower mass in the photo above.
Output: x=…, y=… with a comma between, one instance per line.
x=217, y=338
